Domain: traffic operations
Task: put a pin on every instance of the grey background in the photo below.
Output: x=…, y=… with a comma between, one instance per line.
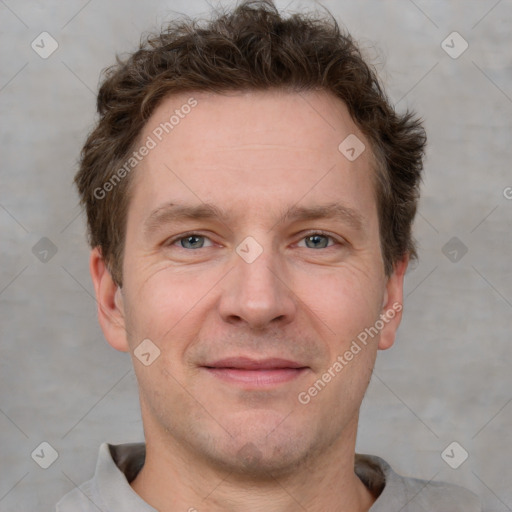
x=448, y=376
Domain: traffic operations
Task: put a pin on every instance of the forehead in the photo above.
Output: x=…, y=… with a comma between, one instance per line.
x=272, y=146
x=314, y=121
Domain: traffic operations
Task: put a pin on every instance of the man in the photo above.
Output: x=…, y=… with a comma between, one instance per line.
x=250, y=194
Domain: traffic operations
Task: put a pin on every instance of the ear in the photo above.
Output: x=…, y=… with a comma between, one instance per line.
x=392, y=304
x=109, y=297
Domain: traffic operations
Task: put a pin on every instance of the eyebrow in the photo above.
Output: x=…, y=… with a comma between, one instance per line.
x=174, y=212
x=177, y=212
x=332, y=211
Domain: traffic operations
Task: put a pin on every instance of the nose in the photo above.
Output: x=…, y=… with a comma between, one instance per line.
x=256, y=294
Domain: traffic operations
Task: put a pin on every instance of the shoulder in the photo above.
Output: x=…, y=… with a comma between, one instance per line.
x=415, y=495
x=109, y=489
x=425, y=495
x=81, y=499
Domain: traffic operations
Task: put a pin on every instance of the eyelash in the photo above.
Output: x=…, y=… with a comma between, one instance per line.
x=336, y=241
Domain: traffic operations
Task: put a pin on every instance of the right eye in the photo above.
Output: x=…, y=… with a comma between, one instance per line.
x=190, y=241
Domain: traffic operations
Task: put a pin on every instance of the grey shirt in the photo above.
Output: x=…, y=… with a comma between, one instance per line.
x=110, y=490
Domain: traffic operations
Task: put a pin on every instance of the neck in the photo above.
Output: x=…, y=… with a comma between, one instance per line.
x=173, y=479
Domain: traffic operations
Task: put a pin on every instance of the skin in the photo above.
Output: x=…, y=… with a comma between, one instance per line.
x=213, y=445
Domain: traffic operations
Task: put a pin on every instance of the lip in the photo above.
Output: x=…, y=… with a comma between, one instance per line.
x=254, y=373
x=247, y=363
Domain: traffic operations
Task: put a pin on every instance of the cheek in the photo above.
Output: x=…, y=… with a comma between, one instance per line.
x=346, y=303
x=163, y=302
x=346, y=300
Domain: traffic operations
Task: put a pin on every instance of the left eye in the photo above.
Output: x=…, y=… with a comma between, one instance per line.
x=192, y=241
x=317, y=241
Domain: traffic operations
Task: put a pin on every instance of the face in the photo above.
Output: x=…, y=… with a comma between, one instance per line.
x=252, y=261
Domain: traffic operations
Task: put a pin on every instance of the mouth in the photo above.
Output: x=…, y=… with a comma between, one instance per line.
x=253, y=373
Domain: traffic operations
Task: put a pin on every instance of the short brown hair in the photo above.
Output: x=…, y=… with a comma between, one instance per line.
x=252, y=47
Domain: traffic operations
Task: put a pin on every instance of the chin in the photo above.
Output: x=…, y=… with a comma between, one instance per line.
x=264, y=451
x=258, y=465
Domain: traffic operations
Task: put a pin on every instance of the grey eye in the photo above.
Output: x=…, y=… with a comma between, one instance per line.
x=192, y=242
x=317, y=241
